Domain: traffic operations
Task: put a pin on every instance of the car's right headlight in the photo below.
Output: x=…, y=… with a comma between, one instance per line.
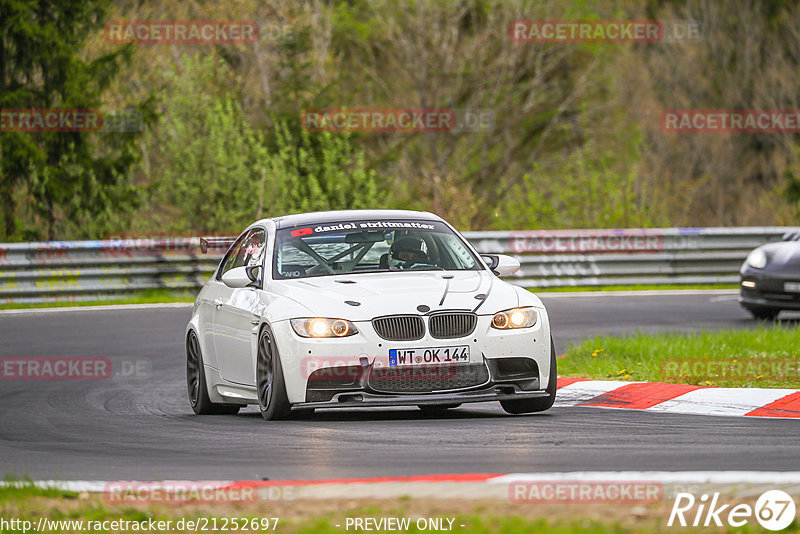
x=514, y=318
x=757, y=259
x=321, y=327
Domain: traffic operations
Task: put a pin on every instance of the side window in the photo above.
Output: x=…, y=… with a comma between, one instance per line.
x=459, y=255
x=248, y=250
x=230, y=257
x=253, y=248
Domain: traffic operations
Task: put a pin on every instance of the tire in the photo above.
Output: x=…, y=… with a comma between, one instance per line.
x=543, y=403
x=271, y=388
x=764, y=314
x=437, y=408
x=197, y=385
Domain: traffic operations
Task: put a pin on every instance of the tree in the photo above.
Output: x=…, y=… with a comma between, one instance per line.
x=69, y=176
x=220, y=173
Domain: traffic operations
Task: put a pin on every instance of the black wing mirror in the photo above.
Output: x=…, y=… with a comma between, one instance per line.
x=254, y=274
x=492, y=260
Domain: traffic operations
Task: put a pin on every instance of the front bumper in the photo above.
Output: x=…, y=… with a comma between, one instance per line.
x=354, y=399
x=769, y=291
x=301, y=357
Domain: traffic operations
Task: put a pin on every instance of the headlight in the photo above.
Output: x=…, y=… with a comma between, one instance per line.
x=757, y=259
x=320, y=327
x=514, y=318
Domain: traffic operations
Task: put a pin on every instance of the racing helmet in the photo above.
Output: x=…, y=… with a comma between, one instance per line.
x=408, y=250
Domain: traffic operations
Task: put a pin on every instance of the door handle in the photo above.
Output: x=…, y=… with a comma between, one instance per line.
x=218, y=303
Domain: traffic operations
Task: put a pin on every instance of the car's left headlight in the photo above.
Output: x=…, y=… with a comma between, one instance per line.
x=321, y=327
x=757, y=259
x=514, y=318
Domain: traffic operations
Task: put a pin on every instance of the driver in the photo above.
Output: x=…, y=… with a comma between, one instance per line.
x=407, y=250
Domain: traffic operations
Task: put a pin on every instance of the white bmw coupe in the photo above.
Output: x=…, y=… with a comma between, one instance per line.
x=361, y=308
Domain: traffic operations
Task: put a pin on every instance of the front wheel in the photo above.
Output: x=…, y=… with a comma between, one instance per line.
x=272, y=399
x=197, y=385
x=542, y=403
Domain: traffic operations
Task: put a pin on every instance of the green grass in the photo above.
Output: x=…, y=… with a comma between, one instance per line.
x=14, y=489
x=149, y=296
x=766, y=356
x=321, y=517
x=640, y=287
x=168, y=295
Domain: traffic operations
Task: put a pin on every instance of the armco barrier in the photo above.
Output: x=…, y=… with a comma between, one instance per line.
x=83, y=270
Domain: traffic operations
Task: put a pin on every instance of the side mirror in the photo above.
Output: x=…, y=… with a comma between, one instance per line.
x=254, y=274
x=240, y=277
x=491, y=260
x=501, y=265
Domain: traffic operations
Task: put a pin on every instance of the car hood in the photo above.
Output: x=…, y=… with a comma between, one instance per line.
x=380, y=294
x=784, y=257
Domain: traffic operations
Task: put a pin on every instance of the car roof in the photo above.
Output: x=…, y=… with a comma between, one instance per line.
x=319, y=217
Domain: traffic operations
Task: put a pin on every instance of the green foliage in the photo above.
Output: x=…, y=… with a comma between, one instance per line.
x=576, y=140
x=77, y=183
x=594, y=187
x=211, y=157
x=322, y=171
x=220, y=173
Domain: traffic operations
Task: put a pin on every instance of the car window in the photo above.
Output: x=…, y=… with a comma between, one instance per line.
x=227, y=262
x=253, y=249
x=247, y=251
x=369, y=246
x=460, y=256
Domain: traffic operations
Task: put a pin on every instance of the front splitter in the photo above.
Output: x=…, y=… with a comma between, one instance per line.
x=360, y=399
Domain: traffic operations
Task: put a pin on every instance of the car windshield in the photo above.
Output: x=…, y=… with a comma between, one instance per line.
x=369, y=246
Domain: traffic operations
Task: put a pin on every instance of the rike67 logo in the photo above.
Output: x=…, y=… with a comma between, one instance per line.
x=774, y=510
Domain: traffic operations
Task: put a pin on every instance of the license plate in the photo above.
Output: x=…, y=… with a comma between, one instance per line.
x=428, y=356
x=792, y=287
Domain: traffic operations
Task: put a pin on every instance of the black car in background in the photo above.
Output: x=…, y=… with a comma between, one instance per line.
x=770, y=278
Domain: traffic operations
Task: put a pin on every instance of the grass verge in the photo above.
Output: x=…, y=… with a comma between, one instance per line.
x=328, y=516
x=640, y=287
x=149, y=296
x=767, y=356
x=168, y=295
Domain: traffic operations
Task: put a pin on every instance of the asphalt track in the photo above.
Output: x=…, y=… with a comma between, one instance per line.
x=140, y=427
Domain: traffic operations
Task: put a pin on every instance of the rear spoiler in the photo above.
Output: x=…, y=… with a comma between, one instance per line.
x=215, y=243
